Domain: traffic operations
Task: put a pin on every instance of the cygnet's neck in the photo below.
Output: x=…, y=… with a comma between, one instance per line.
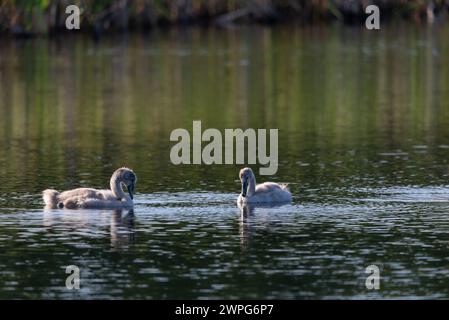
x=116, y=187
x=251, y=185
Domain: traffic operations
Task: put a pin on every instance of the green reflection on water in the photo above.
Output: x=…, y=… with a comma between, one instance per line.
x=73, y=109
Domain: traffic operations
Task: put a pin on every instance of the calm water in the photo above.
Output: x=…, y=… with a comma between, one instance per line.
x=363, y=122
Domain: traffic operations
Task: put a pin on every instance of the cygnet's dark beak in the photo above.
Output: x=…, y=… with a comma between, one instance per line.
x=131, y=190
x=244, y=187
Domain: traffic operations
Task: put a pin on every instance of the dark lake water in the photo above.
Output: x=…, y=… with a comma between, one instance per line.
x=363, y=119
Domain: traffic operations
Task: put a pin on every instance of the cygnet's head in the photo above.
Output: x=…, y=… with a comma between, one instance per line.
x=128, y=178
x=245, y=175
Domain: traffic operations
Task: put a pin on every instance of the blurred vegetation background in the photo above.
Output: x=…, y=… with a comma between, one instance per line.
x=29, y=17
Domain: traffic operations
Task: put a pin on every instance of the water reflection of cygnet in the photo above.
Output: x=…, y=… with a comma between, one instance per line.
x=122, y=228
x=252, y=215
x=246, y=212
x=92, y=224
